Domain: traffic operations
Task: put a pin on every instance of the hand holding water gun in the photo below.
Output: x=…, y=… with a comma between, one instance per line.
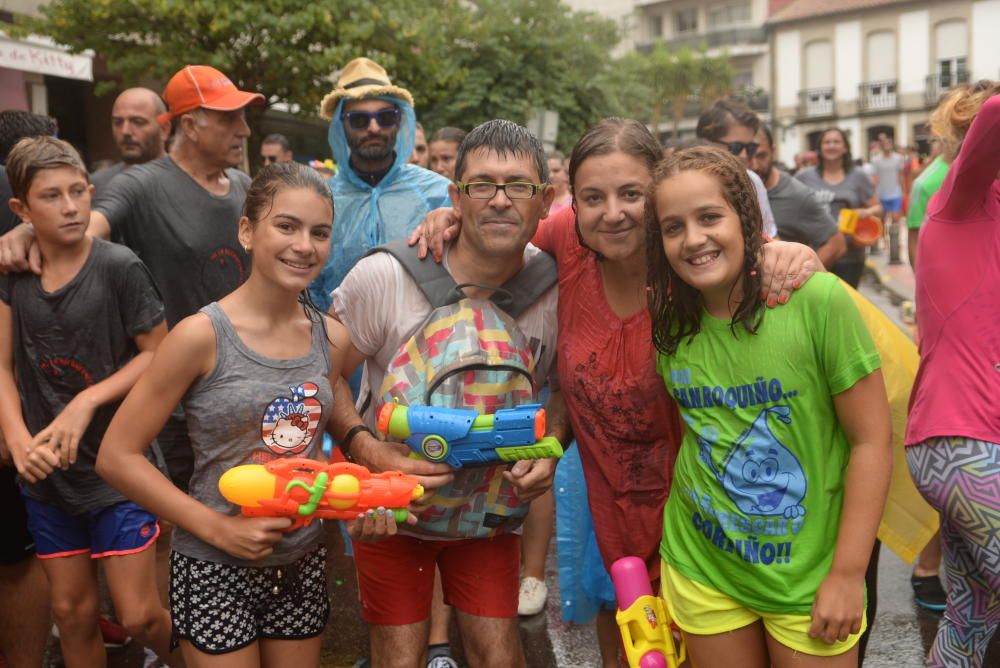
x=303, y=490
x=642, y=618
x=461, y=437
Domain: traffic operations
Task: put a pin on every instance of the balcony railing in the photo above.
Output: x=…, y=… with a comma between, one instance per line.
x=877, y=95
x=711, y=39
x=816, y=103
x=938, y=84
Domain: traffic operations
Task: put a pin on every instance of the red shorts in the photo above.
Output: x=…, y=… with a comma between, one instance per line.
x=479, y=576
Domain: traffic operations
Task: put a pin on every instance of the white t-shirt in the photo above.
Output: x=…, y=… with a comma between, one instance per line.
x=382, y=308
x=770, y=228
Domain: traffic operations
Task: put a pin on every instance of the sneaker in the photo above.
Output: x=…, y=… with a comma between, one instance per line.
x=442, y=662
x=531, y=597
x=928, y=592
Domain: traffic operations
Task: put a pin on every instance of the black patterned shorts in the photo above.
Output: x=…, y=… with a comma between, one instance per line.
x=220, y=608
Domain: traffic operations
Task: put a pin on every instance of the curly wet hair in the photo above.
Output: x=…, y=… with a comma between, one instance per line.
x=675, y=306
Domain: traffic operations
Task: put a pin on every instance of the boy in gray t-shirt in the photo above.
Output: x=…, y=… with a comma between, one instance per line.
x=73, y=341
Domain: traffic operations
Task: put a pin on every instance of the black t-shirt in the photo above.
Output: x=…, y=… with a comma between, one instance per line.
x=798, y=213
x=103, y=177
x=184, y=234
x=69, y=339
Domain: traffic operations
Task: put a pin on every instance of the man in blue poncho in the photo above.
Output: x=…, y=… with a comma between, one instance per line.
x=377, y=196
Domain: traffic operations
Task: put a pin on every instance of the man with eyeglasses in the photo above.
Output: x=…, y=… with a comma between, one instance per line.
x=378, y=196
x=470, y=526
x=275, y=148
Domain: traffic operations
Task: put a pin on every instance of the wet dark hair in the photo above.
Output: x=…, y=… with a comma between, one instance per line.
x=279, y=139
x=455, y=135
x=16, y=125
x=272, y=179
x=674, y=306
x=503, y=138
x=613, y=134
x=846, y=160
x=276, y=177
x=715, y=123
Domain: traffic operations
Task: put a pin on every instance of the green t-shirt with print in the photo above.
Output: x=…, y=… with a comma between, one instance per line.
x=754, y=511
x=928, y=183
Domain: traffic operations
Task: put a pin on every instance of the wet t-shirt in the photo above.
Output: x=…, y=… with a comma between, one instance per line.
x=755, y=507
x=69, y=339
x=851, y=193
x=624, y=422
x=184, y=234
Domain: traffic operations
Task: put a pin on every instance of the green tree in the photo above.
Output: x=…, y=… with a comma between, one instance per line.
x=524, y=56
x=285, y=49
x=465, y=61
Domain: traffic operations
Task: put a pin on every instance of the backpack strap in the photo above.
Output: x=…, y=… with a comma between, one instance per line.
x=537, y=276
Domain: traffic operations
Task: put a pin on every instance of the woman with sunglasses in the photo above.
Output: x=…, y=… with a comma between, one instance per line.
x=840, y=185
x=734, y=126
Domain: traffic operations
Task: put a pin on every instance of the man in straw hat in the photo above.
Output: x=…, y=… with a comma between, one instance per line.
x=379, y=197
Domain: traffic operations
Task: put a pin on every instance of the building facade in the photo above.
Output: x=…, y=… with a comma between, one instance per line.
x=736, y=28
x=874, y=66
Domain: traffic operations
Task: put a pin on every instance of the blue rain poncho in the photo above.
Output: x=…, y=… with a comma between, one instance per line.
x=367, y=216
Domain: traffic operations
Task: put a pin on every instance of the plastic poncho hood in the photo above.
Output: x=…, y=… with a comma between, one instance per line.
x=367, y=216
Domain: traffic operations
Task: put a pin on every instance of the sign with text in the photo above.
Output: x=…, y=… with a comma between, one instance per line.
x=29, y=57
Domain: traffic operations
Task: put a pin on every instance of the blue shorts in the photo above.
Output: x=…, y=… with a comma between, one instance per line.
x=117, y=530
x=892, y=205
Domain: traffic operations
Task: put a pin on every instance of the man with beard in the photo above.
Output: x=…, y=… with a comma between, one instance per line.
x=138, y=135
x=379, y=196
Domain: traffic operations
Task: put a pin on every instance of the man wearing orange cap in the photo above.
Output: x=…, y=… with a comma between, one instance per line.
x=379, y=196
x=179, y=213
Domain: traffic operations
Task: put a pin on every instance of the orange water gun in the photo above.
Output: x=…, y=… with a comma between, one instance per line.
x=304, y=490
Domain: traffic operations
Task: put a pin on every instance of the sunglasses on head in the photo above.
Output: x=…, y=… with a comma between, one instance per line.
x=359, y=120
x=737, y=147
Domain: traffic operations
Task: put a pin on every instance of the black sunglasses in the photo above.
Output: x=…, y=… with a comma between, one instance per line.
x=269, y=158
x=737, y=147
x=359, y=120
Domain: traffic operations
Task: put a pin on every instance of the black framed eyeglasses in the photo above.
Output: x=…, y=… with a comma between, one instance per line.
x=359, y=120
x=488, y=190
x=737, y=147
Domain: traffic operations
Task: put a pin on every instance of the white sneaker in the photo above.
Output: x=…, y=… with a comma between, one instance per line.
x=442, y=662
x=531, y=597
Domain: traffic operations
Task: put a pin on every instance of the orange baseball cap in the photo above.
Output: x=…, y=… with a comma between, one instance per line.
x=206, y=87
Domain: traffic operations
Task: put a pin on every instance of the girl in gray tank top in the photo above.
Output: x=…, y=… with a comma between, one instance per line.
x=253, y=372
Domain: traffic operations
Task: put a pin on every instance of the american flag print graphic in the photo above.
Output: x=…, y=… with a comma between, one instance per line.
x=289, y=423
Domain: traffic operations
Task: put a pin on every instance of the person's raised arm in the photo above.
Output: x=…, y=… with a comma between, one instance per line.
x=186, y=354
x=19, y=252
x=975, y=168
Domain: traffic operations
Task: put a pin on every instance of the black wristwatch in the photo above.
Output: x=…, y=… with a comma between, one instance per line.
x=345, y=444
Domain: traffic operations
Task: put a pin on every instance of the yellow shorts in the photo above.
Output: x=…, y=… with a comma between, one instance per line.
x=701, y=610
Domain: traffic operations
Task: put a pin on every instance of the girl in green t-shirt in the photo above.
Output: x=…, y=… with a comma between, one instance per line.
x=784, y=468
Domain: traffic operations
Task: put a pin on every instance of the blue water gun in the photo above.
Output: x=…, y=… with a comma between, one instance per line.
x=461, y=437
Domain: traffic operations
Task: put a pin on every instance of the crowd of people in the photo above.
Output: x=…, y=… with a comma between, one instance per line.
x=687, y=316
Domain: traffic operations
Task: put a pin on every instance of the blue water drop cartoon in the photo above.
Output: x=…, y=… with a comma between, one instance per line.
x=759, y=473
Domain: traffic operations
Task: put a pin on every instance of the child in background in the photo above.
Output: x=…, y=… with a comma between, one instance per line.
x=73, y=341
x=253, y=373
x=784, y=468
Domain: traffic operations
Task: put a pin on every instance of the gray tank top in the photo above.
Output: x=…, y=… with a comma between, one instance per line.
x=249, y=410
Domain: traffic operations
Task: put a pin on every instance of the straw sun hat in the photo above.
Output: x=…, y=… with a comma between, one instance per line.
x=362, y=78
